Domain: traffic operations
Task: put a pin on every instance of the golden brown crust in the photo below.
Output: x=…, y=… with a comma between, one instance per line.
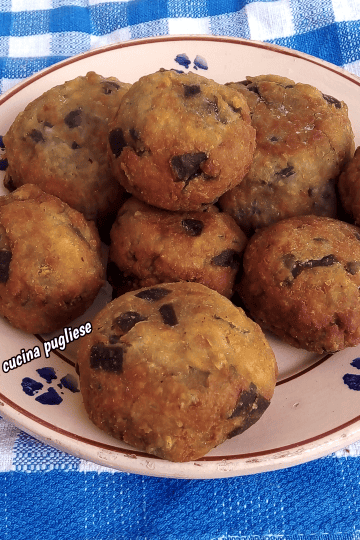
x=52, y=267
x=349, y=187
x=180, y=140
x=301, y=280
x=156, y=246
x=174, y=370
x=303, y=140
x=59, y=142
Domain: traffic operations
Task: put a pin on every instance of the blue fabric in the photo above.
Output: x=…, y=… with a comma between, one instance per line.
x=47, y=494
x=328, y=29
x=315, y=500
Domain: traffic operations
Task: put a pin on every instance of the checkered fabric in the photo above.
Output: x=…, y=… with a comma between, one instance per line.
x=37, y=33
x=46, y=494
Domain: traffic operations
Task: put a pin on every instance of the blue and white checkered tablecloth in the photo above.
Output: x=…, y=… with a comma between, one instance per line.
x=37, y=33
x=48, y=495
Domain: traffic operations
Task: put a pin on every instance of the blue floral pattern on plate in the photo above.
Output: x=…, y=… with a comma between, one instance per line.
x=352, y=380
x=31, y=387
x=184, y=60
x=3, y=161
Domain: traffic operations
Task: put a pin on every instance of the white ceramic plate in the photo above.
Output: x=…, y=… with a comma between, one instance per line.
x=313, y=412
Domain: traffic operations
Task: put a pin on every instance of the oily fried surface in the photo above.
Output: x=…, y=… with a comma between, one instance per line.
x=174, y=370
x=155, y=246
x=301, y=280
x=349, y=187
x=303, y=140
x=179, y=141
x=50, y=264
x=59, y=142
